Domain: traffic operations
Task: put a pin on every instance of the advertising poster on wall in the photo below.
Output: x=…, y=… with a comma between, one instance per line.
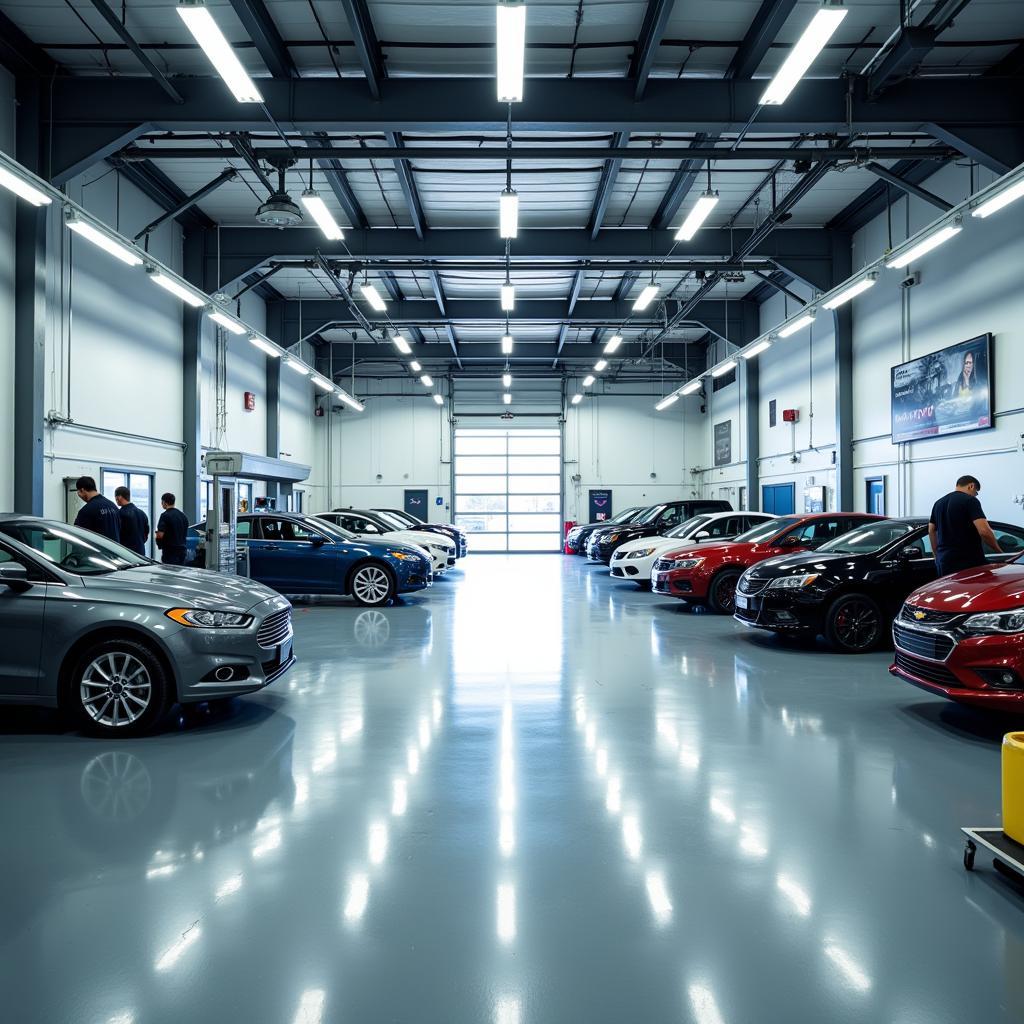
x=944, y=392
x=723, y=443
x=600, y=506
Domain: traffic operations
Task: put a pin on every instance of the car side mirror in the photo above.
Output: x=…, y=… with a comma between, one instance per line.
x=910, y=552
x=703, y=535
x=792, y=541
x=15, y=577
x=318, y=542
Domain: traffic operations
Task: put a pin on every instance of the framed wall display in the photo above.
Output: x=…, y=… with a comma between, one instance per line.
x=600, y=505
x=723, y=443
x=944, y=392
x=814, y=499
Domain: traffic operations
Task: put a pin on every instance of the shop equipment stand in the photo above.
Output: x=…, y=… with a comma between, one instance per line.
x=1008, y=853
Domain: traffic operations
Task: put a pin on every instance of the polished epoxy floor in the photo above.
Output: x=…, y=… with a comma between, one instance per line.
x=530, y=796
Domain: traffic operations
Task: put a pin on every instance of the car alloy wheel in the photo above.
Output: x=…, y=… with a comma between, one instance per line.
x=115, y=689
x=723, y=592
x=371, y=585
x=854, y=624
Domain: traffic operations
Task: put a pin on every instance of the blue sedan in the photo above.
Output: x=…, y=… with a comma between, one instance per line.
x=298, y=554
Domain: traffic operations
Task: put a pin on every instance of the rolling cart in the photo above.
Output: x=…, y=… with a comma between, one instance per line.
x=1008, y=853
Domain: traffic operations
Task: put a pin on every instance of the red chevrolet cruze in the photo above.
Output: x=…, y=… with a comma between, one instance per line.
x=962, y=637
x=708, y=572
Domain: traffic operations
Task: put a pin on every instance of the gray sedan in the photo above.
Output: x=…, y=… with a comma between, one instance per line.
x=115, y=639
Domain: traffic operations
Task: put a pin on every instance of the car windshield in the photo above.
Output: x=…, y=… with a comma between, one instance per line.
x=625, y=516
x=332, y=529
x=649, y=516
x=389, y=519
x=74, y=550
x=408, y=522
x=765, y=530
x=690, y=527
x=868, y=538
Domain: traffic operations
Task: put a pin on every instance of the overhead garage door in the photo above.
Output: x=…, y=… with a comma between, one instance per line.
x=508, y=488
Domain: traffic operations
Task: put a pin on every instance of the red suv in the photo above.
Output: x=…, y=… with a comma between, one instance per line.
x=708, y=572
x=962, y=637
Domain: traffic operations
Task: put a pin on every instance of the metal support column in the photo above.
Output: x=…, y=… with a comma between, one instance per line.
x=842, y=267
x=275, y=329
x=192, y=373
x=749, y=330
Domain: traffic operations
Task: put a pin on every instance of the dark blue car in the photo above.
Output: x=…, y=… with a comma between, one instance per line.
x=298, y=554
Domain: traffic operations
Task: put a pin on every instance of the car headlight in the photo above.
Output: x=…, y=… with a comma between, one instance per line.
x=403, y=556
x=641, y=553
x=686, y=563
x=996, y=622
x=201, y=618
x=793, y=582
x=612, y=537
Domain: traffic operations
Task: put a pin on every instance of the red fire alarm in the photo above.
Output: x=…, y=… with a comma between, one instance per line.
x=250, y=401
x=790, y=415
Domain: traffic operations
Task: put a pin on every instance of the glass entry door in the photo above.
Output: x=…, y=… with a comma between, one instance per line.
x=508, y=488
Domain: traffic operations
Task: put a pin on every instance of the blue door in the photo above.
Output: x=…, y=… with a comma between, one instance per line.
x=876, y=495
x=778, y=499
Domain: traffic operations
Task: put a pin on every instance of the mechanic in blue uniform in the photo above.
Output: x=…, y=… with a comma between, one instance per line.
x=171, y=531
x=98, y=514
x=134, y=522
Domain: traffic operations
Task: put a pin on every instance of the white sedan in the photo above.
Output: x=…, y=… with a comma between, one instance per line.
x=374, y=526
x=635, y=559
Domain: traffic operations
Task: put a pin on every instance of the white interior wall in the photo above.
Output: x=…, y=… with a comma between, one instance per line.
x=303, y=437
x=7, y=207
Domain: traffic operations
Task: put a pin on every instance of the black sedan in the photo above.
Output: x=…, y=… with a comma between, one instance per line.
x=653, y=521
x=851, y=588
x=577, y=537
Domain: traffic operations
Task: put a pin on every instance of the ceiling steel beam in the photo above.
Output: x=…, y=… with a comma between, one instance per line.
x=651, y=31
x=770, y=17
x=151, y=181
x=241, y=146
x=1011, y=66
x=679, y=189
x=408, y=185
x=337, y=179
x=497, y=264
x=609, y=173
x=20, y=55
x=367, y=46
x=490, y=353
x=910, y=187
x=873, y=200
x=189, y=201
x=257, y=21
x=442, y=305
x=997, y=147
x=563, y=331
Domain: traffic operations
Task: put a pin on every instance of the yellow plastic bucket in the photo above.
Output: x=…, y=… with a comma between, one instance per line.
x=1013, y=786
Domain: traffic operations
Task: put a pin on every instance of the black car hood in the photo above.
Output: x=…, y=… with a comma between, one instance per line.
x=803, y=561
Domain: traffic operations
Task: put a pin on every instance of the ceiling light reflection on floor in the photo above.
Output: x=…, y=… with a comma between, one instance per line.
x=399, y=797
x=851, y=971
x=507, y=1010
x=506, y=912
x=657, y=894
x=377, y=842
x=632, y=837
x=358, y=897
x=507, y=835
x=311, y=1007
x=797, y=897
x=702, y=1002
x=174, y=953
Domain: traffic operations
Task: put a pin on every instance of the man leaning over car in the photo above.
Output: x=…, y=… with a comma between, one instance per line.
x=958, y=529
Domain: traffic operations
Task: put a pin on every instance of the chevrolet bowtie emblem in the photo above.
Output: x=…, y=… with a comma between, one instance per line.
x=918, y=616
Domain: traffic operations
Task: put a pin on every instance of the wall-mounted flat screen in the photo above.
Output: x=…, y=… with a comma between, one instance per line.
x=944, y=392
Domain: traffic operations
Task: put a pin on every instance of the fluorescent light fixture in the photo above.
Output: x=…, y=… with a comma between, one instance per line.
x=601, y=364
x=227, y=322
x=511, y=44
x=612, y=344
x=426, y=381
x=401, y=344
x=438, y=399
x=372, y=296
x=506, y=344
x=757, y=349
x=103, y=240
x=509, y=213
x=218, y=50
x=721, y=371
x=688, y=389
x=803, y=54
x=294, y=364
x=507, y=398
x=508, y=296
x=987, y=208
x=22, y=188
x=576, y=399
x=415, y=366
x=506, y=380
x=696, y=217
x=264, y=346
x=349, y=400
x=645, y=298
x=667, y=401
x=322, y=382
x=317, y=208
x=933, y=241
x=589, y=380
x=797, y=325
x=850, y=293
x=172, y=286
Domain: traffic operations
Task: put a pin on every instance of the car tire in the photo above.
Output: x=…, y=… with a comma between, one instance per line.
x=118, y=688
x=854, y=624
x=372, y=585
x=722, y=592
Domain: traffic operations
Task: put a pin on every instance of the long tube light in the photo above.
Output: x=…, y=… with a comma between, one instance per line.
x=508, y=213
x=314, y=203
x=103, y=240
x=438, y=399
x=933, y=241
x=589, y=380
x=999, y=200
x=218, y=50
x=22, y=188
x=688, y=389
x=667, y=401
x=372, y=296
x=645, y=298
x=696, y=217
x=600, y=365
x=511, y=44
x=426, y=381
x=169, y=284
x=506, y=380
x=508, y=297
x=803, y=54
x=576, y=399
x=507, y=344
x=756, y=350
x=721, y=371
x=797, y=325
x=297, y=366
x=612, y=344
x=322, y=382
x=227, y=322
x=507, y=397
x=349, y=400
x=264, y=346
x=401, y=344
x=415, y=366
x=858, y=288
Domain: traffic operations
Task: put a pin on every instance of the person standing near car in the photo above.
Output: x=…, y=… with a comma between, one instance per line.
x=958, y=529
x=171, y=531
x=134, y=522
x=99, y=514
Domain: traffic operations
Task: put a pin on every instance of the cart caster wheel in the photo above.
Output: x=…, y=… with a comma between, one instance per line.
x=969, y=851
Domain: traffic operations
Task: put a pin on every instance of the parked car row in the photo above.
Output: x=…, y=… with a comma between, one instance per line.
x=859, y=581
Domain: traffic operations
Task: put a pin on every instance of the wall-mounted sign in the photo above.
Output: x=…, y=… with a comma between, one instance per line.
x=723, y=443
x=814, y=499
x=600, y=506
x=250, y=401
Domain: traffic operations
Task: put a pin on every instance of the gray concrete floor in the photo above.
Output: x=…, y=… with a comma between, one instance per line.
x=531, y=795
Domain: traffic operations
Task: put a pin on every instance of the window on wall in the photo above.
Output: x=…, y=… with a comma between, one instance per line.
x=141, y=487
x=205, y=498
x=244, y=497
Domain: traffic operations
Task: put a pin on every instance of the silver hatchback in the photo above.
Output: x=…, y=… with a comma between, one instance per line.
x=115, y=639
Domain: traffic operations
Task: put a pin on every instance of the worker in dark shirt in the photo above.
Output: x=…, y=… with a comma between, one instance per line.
x=98, y=514
x=171, y=530
x=958, y=529
x=134, y=522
